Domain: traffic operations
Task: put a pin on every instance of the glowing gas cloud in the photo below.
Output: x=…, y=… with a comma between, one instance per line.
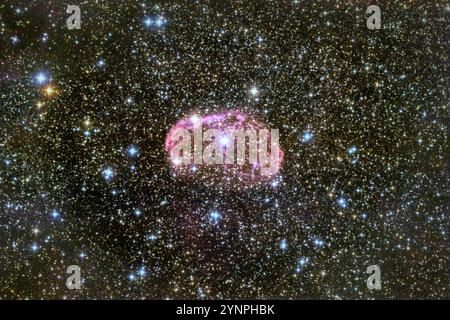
x=229, y=144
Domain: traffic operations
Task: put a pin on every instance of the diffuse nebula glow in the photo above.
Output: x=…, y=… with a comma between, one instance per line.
x=209, y=144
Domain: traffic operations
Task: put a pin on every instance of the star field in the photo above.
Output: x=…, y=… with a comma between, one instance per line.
x=85, y=178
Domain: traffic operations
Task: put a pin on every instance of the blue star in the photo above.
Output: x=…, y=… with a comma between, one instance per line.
x=14, y=39
x=41, y=78
x=307, y=137
x=101, y=63
x=158, y=22
x=274, y=183
x=319, y=243
x=55, y=214
x=283, y=244
x=108, y=173
x=142, y=272
x=254, y=91
x=148, y=22
x=342, y=202
x=132, y=151
x=215, y=216
x=302, y=262
x=352, y=150
x=201, y=293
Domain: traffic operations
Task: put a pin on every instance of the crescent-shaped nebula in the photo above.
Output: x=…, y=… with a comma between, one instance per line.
x=224, y=146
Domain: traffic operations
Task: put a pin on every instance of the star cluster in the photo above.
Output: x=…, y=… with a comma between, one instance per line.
x=84, y=176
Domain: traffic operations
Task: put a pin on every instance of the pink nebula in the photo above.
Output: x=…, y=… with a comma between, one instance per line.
x=225, y=125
